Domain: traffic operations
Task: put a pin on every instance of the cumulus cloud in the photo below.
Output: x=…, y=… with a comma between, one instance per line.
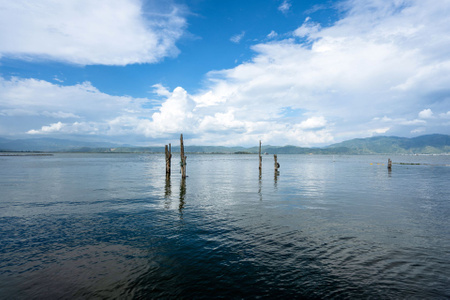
x=52, y=100
x=84, y=110
x=85, y=32
x=51, y=108
x=426, y=114
x=175, y=114
x=383, y=58
x=313, y=123
x=48, y=129
x=383, y=68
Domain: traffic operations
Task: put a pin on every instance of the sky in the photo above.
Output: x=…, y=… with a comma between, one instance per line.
x=286, y=72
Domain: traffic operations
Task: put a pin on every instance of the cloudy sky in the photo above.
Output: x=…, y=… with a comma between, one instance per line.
x=287, y=72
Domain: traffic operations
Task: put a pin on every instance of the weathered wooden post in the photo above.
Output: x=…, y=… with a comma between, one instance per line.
x=389, y=164
x=183, y=158
x=277, y=165
x=260, y=158
x=168, y=159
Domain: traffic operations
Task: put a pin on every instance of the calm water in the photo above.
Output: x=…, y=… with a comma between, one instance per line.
x=112, y=226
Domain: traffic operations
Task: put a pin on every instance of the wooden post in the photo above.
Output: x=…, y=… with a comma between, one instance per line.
x=168, y=159
x=183, y=158
x=389, y=164
x=260, y=158
x=277, y=165
x=166, y=150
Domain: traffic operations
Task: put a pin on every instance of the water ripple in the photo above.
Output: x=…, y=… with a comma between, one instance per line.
x=93, y=226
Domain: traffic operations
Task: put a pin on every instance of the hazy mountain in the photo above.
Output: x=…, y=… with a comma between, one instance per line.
x=426, y=144
x=48, y=144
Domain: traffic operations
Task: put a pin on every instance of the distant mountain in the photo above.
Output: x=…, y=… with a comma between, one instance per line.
x=175, y=149
x=48, y=144
x=426, y=144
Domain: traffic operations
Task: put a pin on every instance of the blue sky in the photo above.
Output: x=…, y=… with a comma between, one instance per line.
x=305, y=73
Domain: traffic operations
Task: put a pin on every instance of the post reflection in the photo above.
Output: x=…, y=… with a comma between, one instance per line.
x=275, y=179
x=167, y=192
x=260, y=187
x=182, y=195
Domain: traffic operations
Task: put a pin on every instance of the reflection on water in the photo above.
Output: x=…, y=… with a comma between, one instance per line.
x=168, y=187
x=182, y=195
x=113, y=226
x=168, y=191
x=275, y=179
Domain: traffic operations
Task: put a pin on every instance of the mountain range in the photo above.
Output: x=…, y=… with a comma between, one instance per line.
x=425, y=144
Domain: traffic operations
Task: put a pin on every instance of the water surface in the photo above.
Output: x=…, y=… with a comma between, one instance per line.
x=113, y=226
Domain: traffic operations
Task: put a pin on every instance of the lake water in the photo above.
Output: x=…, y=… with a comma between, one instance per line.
x=112, y=226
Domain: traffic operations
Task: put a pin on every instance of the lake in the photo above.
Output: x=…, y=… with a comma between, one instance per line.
x=112, y=226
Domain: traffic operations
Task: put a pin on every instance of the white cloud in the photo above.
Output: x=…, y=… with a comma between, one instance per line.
x=96, y=112
x=313, y=123
x=413, y=122
x=175, y=114
x=57, y=101
x=221, y=122
x=285, y=6
x=160, y=90
x=56, y=78
x=369, y=73
x=109, y=32
x=55, y=127
x=308, y=29
x=379, y=130
x=348, y=73
x=426, y=114
x=399, y=121
x=55, y=107
x=67, y=128
x=237, y=38
x=272, y=34
x=43, y=106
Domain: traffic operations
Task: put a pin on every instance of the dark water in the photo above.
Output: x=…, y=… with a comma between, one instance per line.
x=112, y=226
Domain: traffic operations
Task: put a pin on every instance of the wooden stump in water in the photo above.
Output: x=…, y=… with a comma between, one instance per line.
x=276, y=164
x=260, y=158
x=168, y=159
x=389, y=164
x=183, y=158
